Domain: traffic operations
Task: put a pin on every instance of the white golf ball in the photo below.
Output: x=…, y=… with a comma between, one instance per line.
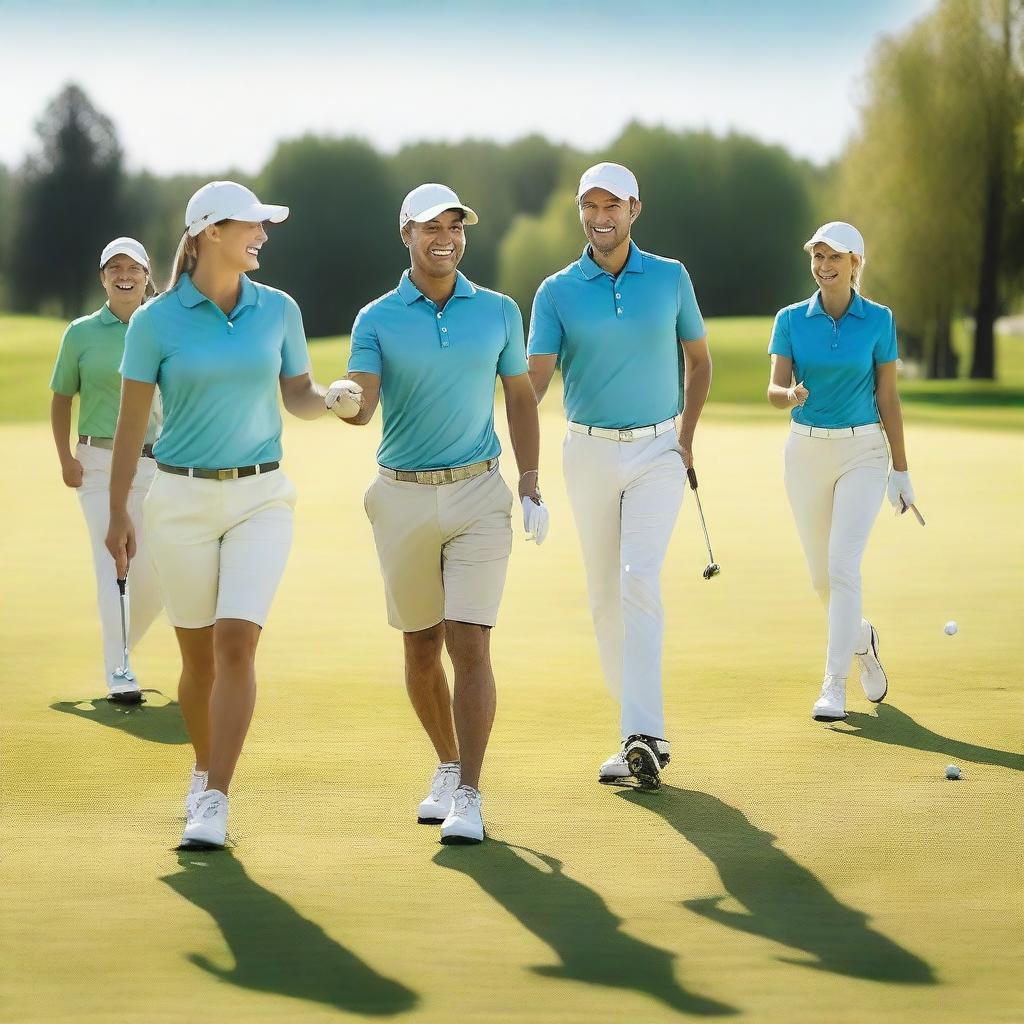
x=950, y=628
x=952, y=772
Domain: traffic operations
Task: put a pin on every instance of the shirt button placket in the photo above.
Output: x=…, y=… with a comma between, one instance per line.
x=444, y=331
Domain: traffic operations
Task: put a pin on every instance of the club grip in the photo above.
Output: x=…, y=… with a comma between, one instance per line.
x=691, y=475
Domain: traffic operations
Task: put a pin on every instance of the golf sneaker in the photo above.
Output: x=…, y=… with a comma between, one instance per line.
x=616, y=770
x=123, y=690
x=645, y=757
x=197, y=787
x=436, y=805
x=464, y=824
x=207, y=825
x=831, y=705
x=872, y=675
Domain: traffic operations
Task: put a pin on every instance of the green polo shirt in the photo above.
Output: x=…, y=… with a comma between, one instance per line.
x=88, y=365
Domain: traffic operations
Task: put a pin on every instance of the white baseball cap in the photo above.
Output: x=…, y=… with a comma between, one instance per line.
x=124, y=247
x=614, y=178
x=227, y=200
x=425, y=202
x=841, y=236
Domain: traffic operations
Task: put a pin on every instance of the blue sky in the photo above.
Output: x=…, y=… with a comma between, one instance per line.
x=198, y=86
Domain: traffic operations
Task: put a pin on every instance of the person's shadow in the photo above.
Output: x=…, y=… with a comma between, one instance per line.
x=158, y=720
x=782, y=900
x=576, y=923
x=890, y=725
x=275, y=948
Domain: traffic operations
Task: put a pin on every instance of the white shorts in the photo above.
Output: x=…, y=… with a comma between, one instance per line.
x=219, y=546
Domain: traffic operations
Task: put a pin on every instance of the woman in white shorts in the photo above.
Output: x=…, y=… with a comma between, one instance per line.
x=834, y=364
x=219, y=514
x=87, y=365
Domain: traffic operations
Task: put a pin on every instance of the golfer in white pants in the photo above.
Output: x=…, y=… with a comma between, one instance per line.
x=87, y=366
x=616, y=321
x=834, y=364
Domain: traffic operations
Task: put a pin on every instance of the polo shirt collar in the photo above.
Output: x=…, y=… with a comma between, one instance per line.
x=589, y=268
x=409, y=293
x=190, y=296
x=108, y=317
x=856, y=307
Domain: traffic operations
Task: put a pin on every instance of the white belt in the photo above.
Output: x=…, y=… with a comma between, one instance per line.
x=867, y=428
x=630, y=434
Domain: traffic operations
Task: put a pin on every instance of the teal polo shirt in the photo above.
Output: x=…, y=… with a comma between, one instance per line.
x=437, y=366
x=617, y=338
x=218, y=375
x=836, y=359
x=87, y=365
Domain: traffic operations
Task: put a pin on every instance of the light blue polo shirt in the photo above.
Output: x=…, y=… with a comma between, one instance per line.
x=617, y=338
x=218, y=375
x=437, y=367
x=836, y=359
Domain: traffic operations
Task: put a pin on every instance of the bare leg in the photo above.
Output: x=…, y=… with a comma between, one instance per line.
x=195, y=687
x=427, y=687
x=233, y=697
x=475, y=698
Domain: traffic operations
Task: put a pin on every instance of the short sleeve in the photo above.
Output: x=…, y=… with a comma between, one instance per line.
x=545, y=326
x=780, y=345
x=365, y=356
x=143, y=352
x=886, y=349
x=66, y=379
x=512, y=361
x=689, y=322
x=294, y=350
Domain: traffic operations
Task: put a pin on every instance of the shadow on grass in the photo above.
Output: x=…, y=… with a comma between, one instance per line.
x=890, y=725
x=782, y=900
x=158, y=723
x=575, y=922
x=994, y=396
x=275, y=948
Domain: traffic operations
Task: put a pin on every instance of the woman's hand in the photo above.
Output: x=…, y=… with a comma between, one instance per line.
x=797, y=394
x=72, y=472
x=121, y=540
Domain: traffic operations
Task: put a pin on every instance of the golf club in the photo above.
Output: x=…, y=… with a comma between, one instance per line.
x=123, y=688
x=913, y=508
x=713, y=568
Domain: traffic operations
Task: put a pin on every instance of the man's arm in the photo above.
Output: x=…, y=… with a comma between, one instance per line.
x=542, y=369
x=370, y=383
x=696, y=385
x=303, y=397
x=524, y=429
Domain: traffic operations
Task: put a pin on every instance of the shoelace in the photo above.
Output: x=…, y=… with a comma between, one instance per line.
x=212, y=808
x=442, y=779
x=833, y=690
x=462, y=801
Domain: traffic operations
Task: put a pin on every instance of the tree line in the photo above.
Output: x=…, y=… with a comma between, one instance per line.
x=933, y=176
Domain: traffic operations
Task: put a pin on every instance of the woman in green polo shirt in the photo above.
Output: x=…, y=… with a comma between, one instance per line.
x=88, y=366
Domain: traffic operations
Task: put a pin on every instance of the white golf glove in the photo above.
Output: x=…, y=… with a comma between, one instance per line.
x=344, y=398
x=536, y=520
x=900, y=487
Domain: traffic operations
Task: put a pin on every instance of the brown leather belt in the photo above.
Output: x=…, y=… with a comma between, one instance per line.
x=439, y=476
x=220, y=474
x=108, y=443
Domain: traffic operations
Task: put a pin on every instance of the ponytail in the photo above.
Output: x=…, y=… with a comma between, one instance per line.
x=184, y=259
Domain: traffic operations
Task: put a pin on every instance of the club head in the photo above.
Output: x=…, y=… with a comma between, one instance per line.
x=712, y=570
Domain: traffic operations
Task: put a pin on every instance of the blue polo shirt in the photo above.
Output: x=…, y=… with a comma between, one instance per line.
x=437, y=366
x=617, y=338
x=218, y=375
x=836, y=359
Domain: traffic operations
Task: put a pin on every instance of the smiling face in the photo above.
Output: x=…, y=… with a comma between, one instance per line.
x=436, y=246
x=832, y=270
x=606, y=218
x=238, y=243
x=124, y=280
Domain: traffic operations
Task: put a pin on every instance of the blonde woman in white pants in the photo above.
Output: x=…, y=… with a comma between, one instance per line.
x=87, y=366
x=834, y=364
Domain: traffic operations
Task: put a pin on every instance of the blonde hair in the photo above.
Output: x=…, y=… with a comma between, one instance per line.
x=857, y=270
x=185, y=258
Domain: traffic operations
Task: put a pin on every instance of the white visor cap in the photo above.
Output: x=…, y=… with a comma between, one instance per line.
x=425, y=202
x=614, y=178
x=124, y=246
x=841, y=236
x=227, y=200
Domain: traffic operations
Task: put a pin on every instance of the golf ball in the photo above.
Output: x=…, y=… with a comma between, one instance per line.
x=952, y=772
x=950, y=628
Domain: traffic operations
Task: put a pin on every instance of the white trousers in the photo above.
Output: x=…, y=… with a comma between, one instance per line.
x=835, y=487
x=143, y=601
x=625, y=498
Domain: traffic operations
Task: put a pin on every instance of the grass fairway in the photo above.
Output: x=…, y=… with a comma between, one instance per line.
x=788, y=873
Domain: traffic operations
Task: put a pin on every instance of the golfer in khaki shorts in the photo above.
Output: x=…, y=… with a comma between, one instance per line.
x=429, y=351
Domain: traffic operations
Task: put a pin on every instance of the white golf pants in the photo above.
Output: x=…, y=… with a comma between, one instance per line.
x=143, y=603
x=625, y=499
x=835, y=487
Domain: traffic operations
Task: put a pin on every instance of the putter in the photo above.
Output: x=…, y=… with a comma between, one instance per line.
x=913, y=508
x=123, y=676
x=713, y=568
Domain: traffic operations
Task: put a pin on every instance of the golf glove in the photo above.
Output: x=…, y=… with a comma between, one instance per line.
x=535, y=519
x=344, y=398
x=900, y=486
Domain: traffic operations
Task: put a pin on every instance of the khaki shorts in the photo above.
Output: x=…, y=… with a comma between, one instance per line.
x=443, y=549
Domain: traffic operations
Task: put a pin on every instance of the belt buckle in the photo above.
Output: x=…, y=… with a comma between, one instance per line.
x=625, y=435
x=227, y=474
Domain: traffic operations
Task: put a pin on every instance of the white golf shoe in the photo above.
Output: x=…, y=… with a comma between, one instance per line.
x=831, y=705
x=464, y=824
x=872, y=675
x=197, y=786
x=641, y=758
x=207, y=826
x=123, y=689
x=435, y=806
